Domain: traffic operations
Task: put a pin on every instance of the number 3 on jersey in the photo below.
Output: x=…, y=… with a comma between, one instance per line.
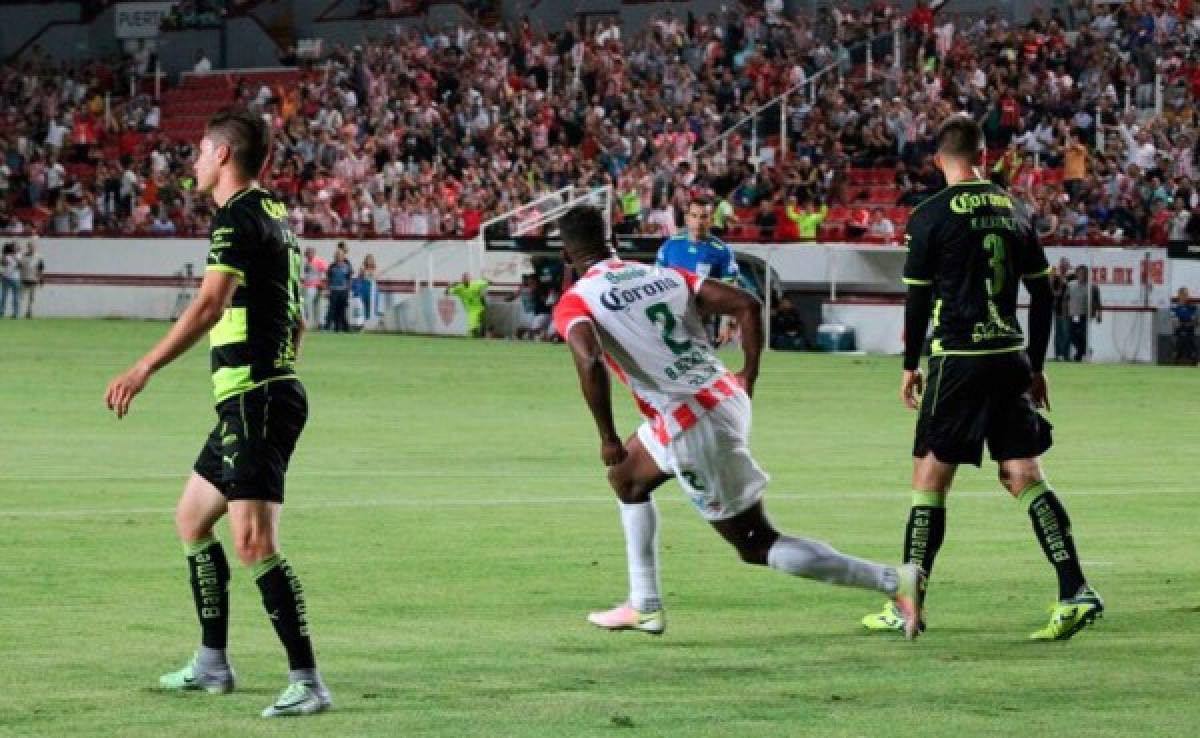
x=660, y=312
x=994, y=245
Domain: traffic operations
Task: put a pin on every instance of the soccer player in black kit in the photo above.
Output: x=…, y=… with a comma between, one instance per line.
x=250, y=305
x=968, y=248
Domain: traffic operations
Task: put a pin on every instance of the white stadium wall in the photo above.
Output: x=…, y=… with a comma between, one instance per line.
x=143, y=278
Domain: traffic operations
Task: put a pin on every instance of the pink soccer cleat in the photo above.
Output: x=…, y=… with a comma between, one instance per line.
x=911, y=582
x=625, y=617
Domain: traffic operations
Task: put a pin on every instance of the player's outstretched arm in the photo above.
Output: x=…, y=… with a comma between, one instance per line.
x=215, y=293
x=718, y=298
x=595, y=385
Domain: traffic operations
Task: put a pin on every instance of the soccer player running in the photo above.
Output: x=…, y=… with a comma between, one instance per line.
x=645, y=324
x=968, y=247
x=250, y=304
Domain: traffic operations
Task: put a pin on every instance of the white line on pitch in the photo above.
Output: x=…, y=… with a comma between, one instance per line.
x=599, y=498
x=317, y=474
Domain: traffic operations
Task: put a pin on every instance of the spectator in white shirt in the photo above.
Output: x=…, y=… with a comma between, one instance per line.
x=56, y=133
x=56, y=177
x=661, y=221
x=158, y=161
x=83, y=217
x=882, y=227
x=1139, y=149
x=774, y=10
x=152, y=120
x=203, y=65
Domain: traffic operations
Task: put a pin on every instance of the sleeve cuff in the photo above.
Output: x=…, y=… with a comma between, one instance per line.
x=228, y=270
x=1034, y=275
x=918, y=282
x=572, y=323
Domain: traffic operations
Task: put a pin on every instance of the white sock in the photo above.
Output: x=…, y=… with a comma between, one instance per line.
x=640, y=522
x=211, y=659
x=803, y=557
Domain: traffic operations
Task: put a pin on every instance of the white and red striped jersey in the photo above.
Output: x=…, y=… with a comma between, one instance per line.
x=653, y=339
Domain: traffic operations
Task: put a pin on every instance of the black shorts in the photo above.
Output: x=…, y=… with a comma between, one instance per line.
x=972, y=399
x=246, y=455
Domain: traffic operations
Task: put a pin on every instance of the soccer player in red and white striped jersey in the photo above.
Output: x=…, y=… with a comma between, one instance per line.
x=645, y=324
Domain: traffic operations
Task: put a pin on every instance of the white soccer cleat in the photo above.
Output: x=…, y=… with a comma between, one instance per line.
x=300, y=698
x=191, y=679
x=625, y=617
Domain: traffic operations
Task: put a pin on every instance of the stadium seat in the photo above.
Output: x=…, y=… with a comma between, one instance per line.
x=838, y=214
x=831, y=231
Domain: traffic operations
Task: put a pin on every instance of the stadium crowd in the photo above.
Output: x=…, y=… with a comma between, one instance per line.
x=432, y=131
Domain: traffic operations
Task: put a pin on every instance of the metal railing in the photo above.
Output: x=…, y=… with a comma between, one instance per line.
x=834, y=67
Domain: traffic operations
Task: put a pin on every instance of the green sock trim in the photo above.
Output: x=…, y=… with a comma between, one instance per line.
x=1030, y=494
x=267, y=565
x=928, y=499
x=195, y=547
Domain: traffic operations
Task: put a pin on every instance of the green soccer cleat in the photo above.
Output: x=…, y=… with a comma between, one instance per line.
x=300, y=698
x=892, y=618
x=889, y=619
x=191, y=679
x=1068, y=617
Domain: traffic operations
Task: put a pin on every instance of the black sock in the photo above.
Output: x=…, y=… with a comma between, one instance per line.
x=210, y=588
x=1053, y=529
x=283, y=598
x=925, y=531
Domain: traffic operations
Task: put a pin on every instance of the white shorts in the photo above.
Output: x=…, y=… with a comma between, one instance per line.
x=712, y=461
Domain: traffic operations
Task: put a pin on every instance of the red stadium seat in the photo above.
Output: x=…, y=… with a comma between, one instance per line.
x=831, y=232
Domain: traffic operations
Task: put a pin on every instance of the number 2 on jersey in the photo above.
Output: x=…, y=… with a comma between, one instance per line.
x=994, y=245
x=660, y=312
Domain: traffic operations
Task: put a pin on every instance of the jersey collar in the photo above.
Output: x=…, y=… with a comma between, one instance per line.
x=605, y=266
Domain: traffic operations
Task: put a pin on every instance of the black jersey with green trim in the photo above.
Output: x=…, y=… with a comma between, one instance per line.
x=255, y=339
x=972, y=243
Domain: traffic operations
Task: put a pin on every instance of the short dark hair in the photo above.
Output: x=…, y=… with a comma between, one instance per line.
x=247, y=136
x=582, y=231
x=702, y=200
x=960, y=136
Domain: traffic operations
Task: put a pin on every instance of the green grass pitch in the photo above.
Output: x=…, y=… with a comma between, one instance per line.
x=448, y=515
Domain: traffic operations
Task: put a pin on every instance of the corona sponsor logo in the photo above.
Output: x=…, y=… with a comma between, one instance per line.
x=967, y=202
x=618, y=299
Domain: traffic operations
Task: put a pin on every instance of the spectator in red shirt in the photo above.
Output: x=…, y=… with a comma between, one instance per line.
x=920, y=20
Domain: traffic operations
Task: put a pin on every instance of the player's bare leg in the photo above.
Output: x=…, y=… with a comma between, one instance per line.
x=634, y=480
x=757, y=542
x=200, y=507
x=923, y=533
x=1078, y=605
